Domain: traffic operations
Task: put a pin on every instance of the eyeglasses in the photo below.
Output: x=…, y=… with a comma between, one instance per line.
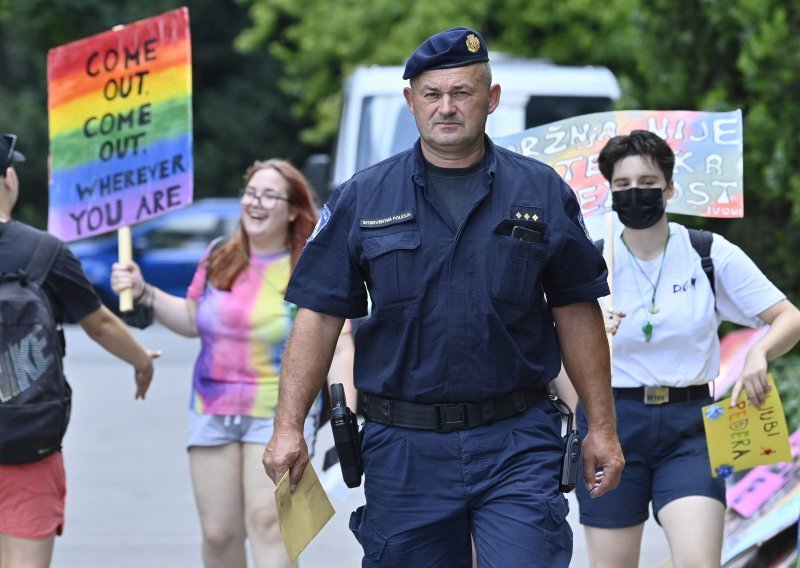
x=266, y=200
x=11, y=139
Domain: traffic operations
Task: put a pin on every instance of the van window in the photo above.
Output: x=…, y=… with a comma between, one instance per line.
x=388, y=128
x=543, y=109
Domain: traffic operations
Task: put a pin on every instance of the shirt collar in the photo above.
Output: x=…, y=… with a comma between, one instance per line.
x=489, y=160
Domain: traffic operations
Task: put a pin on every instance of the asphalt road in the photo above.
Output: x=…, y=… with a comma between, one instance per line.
x=129, y=501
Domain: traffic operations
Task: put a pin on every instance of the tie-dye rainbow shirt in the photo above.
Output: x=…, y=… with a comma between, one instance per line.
x=243, y=334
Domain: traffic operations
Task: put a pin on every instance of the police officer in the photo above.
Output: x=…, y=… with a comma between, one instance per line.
x=482, y=279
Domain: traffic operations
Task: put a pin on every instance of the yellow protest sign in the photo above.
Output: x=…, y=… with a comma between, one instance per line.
x=302, y=513
x=743, y=436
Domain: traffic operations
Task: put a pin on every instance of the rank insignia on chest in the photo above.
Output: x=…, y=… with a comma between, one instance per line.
x=526, y=213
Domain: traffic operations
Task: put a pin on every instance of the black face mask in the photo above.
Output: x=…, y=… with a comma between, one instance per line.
x=639, y=207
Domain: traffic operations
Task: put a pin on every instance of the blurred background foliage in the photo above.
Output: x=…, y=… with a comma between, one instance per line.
x=268, y=76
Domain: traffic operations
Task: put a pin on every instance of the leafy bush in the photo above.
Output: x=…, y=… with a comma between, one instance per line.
x=786, y=371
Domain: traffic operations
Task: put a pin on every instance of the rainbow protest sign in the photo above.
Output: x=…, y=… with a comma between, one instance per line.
x=120, y=113
x=707, y=145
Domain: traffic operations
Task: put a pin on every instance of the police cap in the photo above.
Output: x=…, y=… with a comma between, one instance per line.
x=455, y=47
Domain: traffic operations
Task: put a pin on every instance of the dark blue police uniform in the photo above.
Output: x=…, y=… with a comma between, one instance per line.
x=459, y=314
x=453, y=364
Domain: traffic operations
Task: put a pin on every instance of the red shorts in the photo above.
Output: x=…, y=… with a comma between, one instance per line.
x=32, y=498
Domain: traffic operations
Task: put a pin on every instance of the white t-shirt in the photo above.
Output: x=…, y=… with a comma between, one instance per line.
x=684, y=348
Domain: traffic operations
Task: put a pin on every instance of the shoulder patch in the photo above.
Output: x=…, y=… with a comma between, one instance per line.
x=324, y=217
x=386, y=221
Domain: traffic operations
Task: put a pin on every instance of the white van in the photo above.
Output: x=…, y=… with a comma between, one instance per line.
x=376, y=123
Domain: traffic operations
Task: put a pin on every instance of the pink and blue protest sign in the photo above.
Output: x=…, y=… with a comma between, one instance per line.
x=708, y=150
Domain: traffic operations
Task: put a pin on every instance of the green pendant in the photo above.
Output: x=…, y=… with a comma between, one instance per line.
x=648, y=331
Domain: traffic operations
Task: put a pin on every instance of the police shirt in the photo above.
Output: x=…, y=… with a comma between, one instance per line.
x=457, y=314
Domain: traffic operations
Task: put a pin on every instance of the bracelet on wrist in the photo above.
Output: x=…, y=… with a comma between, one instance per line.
x=138, y=299
x=147, y=297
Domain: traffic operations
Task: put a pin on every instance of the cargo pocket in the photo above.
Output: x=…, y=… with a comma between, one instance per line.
x=558, y=543
x=390, y=258
x=371, y=540
x=557, y=509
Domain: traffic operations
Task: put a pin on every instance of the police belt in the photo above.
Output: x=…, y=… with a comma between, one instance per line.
x=447, y=417
x=662, y=395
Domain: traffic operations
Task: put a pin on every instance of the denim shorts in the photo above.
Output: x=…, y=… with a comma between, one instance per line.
x=666, y=458
x=218, y=430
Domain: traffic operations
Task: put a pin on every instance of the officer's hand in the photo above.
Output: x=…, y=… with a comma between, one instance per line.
x=602, y=461
x=286, y=450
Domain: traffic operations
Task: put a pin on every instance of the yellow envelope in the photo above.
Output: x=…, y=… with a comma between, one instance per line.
x=742, y=437
x=302, y=514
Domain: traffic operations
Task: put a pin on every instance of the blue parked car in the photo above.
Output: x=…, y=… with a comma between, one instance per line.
x=167, y=248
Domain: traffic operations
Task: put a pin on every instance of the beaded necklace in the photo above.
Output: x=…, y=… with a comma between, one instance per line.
x=653, y=309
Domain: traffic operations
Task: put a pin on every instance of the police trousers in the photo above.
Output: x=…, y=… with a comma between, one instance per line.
x=428, y=492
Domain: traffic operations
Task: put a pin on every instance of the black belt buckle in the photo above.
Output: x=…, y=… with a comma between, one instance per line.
x=452, y=416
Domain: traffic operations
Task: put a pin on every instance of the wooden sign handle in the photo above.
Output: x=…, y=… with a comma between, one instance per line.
x=125, y=255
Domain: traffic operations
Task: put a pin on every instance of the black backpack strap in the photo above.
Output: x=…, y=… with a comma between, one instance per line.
x=44, y=255
x=599, y=244
x=701, y=242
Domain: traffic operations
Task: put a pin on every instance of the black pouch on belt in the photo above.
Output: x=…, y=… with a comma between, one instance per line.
x=572, y=446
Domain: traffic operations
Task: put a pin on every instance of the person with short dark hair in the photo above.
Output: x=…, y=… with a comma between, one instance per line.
x=482, y=278
x=32, y=495
x=666, y=350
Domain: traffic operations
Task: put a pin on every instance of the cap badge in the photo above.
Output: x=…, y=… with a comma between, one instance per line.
x=473, y=43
